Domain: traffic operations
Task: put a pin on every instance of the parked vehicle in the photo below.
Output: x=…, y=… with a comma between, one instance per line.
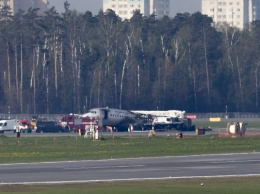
x=49, y=127
x=8, y=125
x=74, y=124
x=25, y=126
x=33, y=122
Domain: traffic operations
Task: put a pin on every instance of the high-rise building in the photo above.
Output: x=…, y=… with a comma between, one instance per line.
x=160, y=8
x=236, y=13
x=125, y=8
x=15, y=5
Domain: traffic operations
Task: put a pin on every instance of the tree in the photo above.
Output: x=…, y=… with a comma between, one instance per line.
x=6, y=35
x=53, y=38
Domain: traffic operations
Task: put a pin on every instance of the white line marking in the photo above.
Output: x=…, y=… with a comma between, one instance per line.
x=130, y=179
x=234, y=161
x=101, y=167
x=104, y=160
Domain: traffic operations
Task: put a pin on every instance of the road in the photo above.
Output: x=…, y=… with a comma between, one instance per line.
x=223, y=165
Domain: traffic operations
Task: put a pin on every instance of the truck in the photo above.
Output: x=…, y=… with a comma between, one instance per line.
x=75, y=124
x=33, y=122
x=66, y=122
x=25, y=126
x=164, y=120
x=161, y=123
x=48, y=127
x=8, y=125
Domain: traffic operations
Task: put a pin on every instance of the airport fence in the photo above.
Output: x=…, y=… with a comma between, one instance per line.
x=49, y=117
x=229, y=115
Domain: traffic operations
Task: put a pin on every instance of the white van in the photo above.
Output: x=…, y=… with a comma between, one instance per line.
x=8, y=125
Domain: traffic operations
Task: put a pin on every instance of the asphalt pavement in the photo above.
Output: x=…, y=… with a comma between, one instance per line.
x=156, y=168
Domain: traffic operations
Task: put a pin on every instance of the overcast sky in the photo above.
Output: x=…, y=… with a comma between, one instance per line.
x=178, y=6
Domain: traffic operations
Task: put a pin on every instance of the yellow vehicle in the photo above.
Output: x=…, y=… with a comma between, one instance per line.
x=33, y=122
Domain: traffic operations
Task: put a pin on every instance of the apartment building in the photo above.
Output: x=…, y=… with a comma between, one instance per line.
x=236, y=13
x=125, y=8
x=15, y=5
x=160, y=8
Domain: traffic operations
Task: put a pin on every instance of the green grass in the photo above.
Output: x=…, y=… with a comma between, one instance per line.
x=180, y=186
x=223, y=124
x=28, y=149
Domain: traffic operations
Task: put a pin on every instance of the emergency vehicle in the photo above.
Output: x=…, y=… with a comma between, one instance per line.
x=25, y=126
x=74, y=124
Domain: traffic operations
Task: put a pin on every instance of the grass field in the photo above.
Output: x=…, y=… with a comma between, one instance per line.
x=28, y=149
x=180, y=186
x=38, y=149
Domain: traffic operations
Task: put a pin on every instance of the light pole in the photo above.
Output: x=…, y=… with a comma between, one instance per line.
x=9, y=112
x=226, y=113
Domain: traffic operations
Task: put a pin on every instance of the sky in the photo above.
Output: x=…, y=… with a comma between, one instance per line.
x=178, y=6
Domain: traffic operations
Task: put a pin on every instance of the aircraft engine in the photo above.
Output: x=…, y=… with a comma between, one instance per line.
x=237, y=128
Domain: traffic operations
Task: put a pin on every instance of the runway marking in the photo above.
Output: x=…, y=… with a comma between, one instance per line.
x=234, y=161
x=104, y=160
x=105, y=167
x=130, y=179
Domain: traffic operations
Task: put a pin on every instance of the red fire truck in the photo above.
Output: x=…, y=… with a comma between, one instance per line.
x=74, y=124
x=25, y=126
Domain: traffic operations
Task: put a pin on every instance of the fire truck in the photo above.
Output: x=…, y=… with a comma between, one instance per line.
x=25, y=126
x=74, y=124
x=164, y=120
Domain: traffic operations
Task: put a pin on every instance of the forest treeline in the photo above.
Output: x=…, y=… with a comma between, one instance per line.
x=70, y=62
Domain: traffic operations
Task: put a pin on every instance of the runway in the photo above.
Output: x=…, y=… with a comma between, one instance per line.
x=222, y=165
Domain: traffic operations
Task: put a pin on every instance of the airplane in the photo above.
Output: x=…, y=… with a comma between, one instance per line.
x=122, y=119
x=114, y=117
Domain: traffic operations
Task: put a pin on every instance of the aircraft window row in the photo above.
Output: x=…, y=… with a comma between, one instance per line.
x=112, y=115
x=116, y=115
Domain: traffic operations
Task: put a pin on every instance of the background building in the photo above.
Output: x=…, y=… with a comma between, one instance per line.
x=125, y=8
x=15, y=5
x=236, y=13
x=160, y=7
